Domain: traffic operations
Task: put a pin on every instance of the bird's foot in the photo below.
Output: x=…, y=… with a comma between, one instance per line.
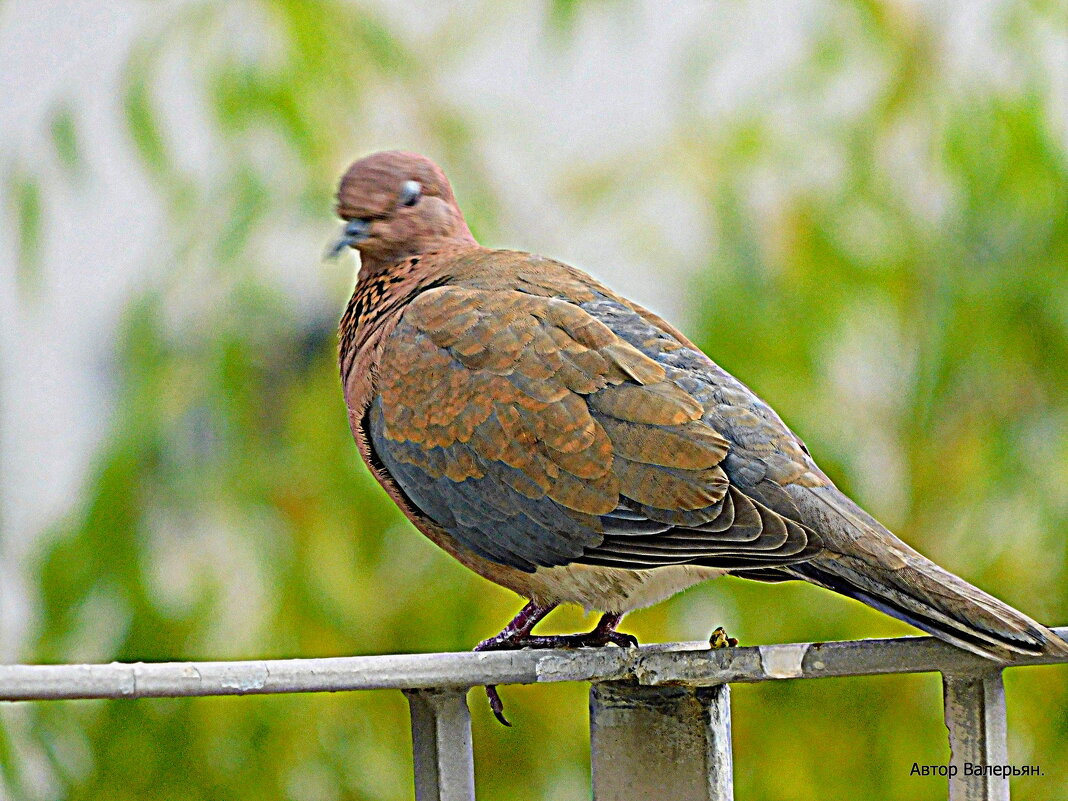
x=588, y=639
x=517, y=636
x=514, y=638
x=719, y=639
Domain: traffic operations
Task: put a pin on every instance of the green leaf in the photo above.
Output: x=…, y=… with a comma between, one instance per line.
x=65, y=139
x=141, y=117
x=28, y=209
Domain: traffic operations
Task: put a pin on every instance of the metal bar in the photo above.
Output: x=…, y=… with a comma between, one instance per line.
x=670, y=663
x=975, y=717
x=332, y=674
x=819, y=660
x=441, y=745
x=651, y=743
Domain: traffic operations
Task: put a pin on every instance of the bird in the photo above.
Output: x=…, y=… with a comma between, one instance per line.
x=570, y=445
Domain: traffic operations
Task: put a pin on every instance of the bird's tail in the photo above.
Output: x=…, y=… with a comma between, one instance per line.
x=861, y=559
x=906, y=585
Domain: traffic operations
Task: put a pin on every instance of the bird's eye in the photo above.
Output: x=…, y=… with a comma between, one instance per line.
x=410, y=193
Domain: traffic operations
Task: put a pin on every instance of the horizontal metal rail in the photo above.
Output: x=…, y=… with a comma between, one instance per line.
x=659, y=714
x=692, y=663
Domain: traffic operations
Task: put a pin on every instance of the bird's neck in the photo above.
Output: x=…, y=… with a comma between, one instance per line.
x=389, y=256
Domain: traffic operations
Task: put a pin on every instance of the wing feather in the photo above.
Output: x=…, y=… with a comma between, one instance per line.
x=539, y=433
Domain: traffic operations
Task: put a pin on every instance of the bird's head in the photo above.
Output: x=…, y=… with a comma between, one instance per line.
x=396, y=205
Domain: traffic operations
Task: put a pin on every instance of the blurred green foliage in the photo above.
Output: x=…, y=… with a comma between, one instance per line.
x=25, y=200
x=903, y=303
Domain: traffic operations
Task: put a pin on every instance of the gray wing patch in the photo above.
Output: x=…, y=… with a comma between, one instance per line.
x=765, y=454
x=485, y=514
x=757, y=524
x=736, y=532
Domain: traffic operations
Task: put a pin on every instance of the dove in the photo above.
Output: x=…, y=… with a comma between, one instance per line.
x=566, y=443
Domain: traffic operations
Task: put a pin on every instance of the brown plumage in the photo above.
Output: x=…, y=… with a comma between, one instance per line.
x=570, y=445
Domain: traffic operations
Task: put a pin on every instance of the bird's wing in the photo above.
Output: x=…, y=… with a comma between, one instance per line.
x=859, y=557
x=541, y=432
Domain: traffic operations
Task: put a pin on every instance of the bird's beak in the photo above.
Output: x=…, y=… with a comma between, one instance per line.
x=354, y=232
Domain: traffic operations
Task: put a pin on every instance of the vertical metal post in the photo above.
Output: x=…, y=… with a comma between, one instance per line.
x=441, y=745
x=652, y=743
x=975, y=717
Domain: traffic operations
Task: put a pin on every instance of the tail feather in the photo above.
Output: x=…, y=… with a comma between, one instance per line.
x=964, y=616
x=864, y=561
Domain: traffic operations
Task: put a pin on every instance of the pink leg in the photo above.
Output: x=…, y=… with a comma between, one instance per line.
x=516, y=635
x=511, y=637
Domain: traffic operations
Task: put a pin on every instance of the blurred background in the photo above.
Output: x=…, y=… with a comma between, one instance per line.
x=858, y=208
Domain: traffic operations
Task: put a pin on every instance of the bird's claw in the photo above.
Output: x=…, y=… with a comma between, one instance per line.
x=622, y=639
x=603, y=634
x=496, y=704
x=719, y=639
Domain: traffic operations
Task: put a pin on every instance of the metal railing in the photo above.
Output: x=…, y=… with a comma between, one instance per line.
x=660, y=724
